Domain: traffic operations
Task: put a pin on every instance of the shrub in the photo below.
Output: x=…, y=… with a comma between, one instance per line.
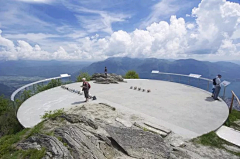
x=53, y=83
x=83, y=75
x=131, y=75
x=4, y=104
x=8, y=120
x=8, y=144
x=53, y=114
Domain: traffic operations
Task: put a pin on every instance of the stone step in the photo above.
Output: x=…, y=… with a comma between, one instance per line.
x=124, y=122
x=158, y=127
x=151, y=129
x=229, y=134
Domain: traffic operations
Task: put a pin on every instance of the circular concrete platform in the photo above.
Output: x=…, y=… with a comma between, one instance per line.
x=187, y=111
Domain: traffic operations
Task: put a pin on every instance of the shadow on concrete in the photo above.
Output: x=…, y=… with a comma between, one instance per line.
x=78, y=102
x=209, y=99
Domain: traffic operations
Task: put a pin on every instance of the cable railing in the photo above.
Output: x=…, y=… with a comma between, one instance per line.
x=179, y=78
x=32, y=86
x=191, y=79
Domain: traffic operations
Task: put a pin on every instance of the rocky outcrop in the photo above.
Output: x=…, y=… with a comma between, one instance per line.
x=74, y=118
x=84, y=144
x=138, y=143
x=83, y=138
x=55, y=148
x=110, y=78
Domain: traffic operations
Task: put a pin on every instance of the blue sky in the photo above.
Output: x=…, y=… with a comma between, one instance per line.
x=98, y=29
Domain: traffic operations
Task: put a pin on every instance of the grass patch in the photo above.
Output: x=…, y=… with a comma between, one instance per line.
x=53, y=114
x=29, y=154
x=34, y=153
x=6, y=142
x=234, y=116
x=211, y=139
x=36, y=129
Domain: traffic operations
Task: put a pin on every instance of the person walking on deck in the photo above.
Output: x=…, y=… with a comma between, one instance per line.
x=85, y=88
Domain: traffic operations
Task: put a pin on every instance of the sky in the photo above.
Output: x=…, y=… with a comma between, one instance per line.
x=99, y=29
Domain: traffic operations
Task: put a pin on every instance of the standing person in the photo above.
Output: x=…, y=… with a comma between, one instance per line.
x=214, y=86
x=105, y=71
x=85, y=88
x=217, y=87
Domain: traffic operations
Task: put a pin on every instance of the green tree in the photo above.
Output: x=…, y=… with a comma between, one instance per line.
x=131, y=75
x=53, y=83
x=83, y=75
x=8, y=120
x=4, y=104
x=26, y=94
x=9, y=123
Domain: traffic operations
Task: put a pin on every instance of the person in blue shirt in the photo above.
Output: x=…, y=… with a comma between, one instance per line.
x=217, y=87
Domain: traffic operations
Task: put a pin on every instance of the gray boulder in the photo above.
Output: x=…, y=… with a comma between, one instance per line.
x=85, y=145
x=138, y=143
x=55, y=149
x=110, y=78
x=74, y=118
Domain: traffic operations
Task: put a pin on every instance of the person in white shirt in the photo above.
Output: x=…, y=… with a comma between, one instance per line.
x=217, y=87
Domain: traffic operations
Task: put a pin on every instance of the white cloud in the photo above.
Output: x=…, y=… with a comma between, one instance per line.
x=214, y=34
x=96, y=20
x=7, y=44
x=215, y=20
x=18, y=17
x=159, y=10
x=36, y=1
x=33, y=37
x=190, y=26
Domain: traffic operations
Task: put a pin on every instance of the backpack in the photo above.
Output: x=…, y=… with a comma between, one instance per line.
x=214, y=81
x=89, y=86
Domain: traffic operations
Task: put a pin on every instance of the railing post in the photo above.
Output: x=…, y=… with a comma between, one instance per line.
x=224, y=92
x=34, y=89
x=208, y=86
x=230, y=109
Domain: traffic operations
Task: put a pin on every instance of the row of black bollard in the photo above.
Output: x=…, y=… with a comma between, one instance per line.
x=140, y=89
x=71, y=90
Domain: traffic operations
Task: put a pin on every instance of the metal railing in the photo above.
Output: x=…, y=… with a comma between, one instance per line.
x=195, y=80
x=232, y=100
x=27, y=87
x=179, y=79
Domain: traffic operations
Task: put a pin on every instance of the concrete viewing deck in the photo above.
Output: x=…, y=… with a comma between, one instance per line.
x=187, y=111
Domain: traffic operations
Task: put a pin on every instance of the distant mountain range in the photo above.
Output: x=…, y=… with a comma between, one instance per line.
x=229, y=70
x=39, y=68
